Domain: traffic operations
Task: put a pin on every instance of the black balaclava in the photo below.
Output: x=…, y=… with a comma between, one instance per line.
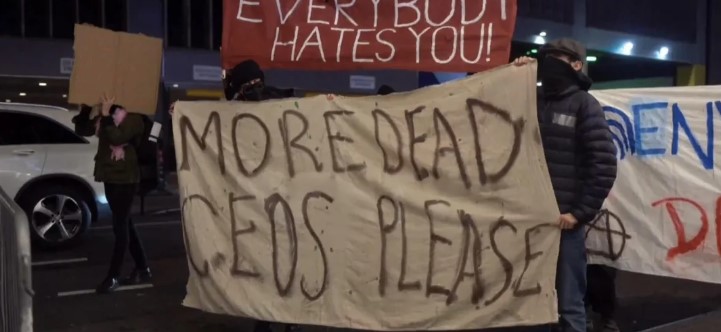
x=252, y=92
x=238, y=82
x=557, y=76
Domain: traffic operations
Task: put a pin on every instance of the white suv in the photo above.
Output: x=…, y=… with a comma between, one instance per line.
x=48, y=170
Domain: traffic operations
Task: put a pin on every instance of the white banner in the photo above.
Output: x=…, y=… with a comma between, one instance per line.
x=430, y=210
x=663, y=216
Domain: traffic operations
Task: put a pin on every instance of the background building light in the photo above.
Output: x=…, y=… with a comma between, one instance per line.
x=627, y=48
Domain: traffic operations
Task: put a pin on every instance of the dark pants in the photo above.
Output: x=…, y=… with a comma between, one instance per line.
x=571, y=280
x=120, y=198
x=601, y=293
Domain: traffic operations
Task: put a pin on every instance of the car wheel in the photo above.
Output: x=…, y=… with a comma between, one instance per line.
x=58, y=216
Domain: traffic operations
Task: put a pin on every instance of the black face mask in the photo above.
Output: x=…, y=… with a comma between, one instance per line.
x=253, y=92
x=557, y=76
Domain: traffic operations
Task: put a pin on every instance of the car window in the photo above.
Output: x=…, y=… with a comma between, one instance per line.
x=26, y=129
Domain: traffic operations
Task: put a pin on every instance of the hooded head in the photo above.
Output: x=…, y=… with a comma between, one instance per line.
x=385, y=90
x=243, y=79
x=561, y=67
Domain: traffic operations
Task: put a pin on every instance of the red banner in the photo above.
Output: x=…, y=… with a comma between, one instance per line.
x=427, y=35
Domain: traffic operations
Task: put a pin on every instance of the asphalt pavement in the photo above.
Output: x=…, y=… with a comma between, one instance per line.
x=65, y=301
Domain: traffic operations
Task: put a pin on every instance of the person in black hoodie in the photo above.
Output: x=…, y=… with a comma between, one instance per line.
x=246, y=82
x=581, y=160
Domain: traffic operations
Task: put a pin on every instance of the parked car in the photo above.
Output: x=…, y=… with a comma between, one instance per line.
x=48, y=170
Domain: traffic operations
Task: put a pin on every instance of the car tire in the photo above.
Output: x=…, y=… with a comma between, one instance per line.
x=59, y=216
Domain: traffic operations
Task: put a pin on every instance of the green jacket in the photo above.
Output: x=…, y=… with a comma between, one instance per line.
x=128, y=133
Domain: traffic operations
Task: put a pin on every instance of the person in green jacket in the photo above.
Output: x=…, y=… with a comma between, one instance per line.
x=116, y=166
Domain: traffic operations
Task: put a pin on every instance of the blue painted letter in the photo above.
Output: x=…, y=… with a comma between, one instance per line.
x=679, y=121
x=640, y=130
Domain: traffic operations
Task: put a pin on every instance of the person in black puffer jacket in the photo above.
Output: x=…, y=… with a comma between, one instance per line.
x=581, y=161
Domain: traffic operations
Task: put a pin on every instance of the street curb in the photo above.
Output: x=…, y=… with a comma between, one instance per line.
x=678, y=325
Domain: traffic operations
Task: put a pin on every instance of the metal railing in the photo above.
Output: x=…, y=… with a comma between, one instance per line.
x=16, y=293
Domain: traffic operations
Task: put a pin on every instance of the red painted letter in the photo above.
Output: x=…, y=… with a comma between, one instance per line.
x=683, y=245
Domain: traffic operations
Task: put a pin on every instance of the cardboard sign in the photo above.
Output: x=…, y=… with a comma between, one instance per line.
x=429, y=210
x=663, y=216
x=126, y=66
x=445, y=35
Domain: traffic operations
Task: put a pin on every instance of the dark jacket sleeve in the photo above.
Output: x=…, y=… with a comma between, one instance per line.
x=598, y=166
x=84, y=125
x=128, y=130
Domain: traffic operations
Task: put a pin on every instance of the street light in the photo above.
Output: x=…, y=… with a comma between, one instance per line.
x=627, y=48
x=663, y=52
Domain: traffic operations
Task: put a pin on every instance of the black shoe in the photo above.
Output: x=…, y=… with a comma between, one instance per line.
x=589, y=324
x=138, y=276
x=107, y=286
x=609, y=325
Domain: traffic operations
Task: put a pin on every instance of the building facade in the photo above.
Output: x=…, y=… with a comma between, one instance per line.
x=36, y=38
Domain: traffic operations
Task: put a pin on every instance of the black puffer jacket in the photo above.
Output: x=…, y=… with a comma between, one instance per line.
x=579, y=151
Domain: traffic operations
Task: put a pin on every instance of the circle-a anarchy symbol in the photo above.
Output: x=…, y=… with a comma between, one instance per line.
x=602, y=223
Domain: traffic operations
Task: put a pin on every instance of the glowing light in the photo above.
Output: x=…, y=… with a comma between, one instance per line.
x=591, y=58
x=539, y=40
x=627, y=48
x=22, y=94
x=42, y=84
x=543, y=34
x=663, y=52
